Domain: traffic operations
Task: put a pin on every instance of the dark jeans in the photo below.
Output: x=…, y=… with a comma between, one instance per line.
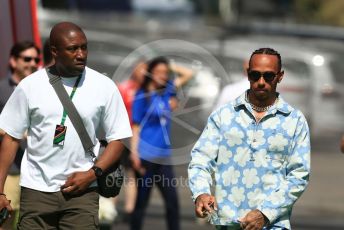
x=162, y=176
x=53, y=210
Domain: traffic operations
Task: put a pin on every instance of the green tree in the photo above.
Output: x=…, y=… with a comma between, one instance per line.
x=324, y=12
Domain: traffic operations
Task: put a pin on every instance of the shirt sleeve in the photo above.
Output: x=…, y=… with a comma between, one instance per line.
x=115, y=118
x=203, y=158
x=280, y=202
x=14, y=118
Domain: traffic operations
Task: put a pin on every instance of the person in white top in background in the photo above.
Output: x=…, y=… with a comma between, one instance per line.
x=235, y=89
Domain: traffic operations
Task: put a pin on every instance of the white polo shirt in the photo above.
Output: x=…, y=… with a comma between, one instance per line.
x=34, y=106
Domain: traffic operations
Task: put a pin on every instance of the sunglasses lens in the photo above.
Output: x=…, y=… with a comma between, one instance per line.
x=28, y=59
x=269, y=76
x=254, y=75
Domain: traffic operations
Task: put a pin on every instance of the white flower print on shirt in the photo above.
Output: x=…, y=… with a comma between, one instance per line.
x=202, y=160
x=193, y=173
x=294, y=159
x=260, y=159
x=277, y=142
x=269, y=181
x=227, y=212
x=269, y=212
x=256, y=138
x=242, y=156
x=224, y=155
x=289, y=125
x=226, y=116
x=271, y=123
x=210, y=131
x=230, y=176
x=234, y=136
x=250, y=178
x=220, y=193
x=303, y=144
x=243, y=120
x=209, y=148
x=255, y=198
x=277, y=198
x=237, y=196
x=201, y=184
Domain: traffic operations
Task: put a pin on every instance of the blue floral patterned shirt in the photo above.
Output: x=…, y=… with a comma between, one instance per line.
x=261, y=165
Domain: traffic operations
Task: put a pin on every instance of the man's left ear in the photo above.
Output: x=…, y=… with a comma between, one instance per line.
x=280, y=76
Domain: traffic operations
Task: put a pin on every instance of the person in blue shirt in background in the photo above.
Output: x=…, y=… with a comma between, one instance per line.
x=257, y=149
x=150, y=144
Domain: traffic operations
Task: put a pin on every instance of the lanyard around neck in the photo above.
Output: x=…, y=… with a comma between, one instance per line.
x=64, y=116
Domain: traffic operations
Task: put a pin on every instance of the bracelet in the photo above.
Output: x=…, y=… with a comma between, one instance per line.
x=2, y=194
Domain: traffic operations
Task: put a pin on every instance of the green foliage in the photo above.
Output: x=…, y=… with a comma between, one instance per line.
x=324, y=12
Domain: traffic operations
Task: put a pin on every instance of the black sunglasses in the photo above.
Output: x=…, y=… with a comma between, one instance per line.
x=268, y=76
x=28, y=59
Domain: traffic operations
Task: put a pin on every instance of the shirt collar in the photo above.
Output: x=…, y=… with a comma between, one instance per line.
x=281, y=105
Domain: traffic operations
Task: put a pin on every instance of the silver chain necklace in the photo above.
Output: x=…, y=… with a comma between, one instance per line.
x=257, y=108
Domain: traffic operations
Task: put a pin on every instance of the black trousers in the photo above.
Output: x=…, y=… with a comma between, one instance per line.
x=163, y=177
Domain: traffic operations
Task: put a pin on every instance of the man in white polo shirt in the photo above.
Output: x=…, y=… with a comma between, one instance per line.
x=57, y=176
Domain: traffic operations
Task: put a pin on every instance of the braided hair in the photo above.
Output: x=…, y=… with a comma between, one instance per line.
x=268, y=51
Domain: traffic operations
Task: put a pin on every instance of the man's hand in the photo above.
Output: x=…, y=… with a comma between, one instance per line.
x=204, y=203
x=78, y=182
x=174, y=103
x=254, y=220
x=4, y=203
x=136, y=163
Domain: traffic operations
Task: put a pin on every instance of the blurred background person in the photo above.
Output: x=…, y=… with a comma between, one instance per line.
x=342, y=145
x=24, y=60
x=235, y=89
x=151, y=146
x=128, y=89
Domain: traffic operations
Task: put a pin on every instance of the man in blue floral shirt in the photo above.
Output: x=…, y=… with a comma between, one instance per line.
x=257, y=151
